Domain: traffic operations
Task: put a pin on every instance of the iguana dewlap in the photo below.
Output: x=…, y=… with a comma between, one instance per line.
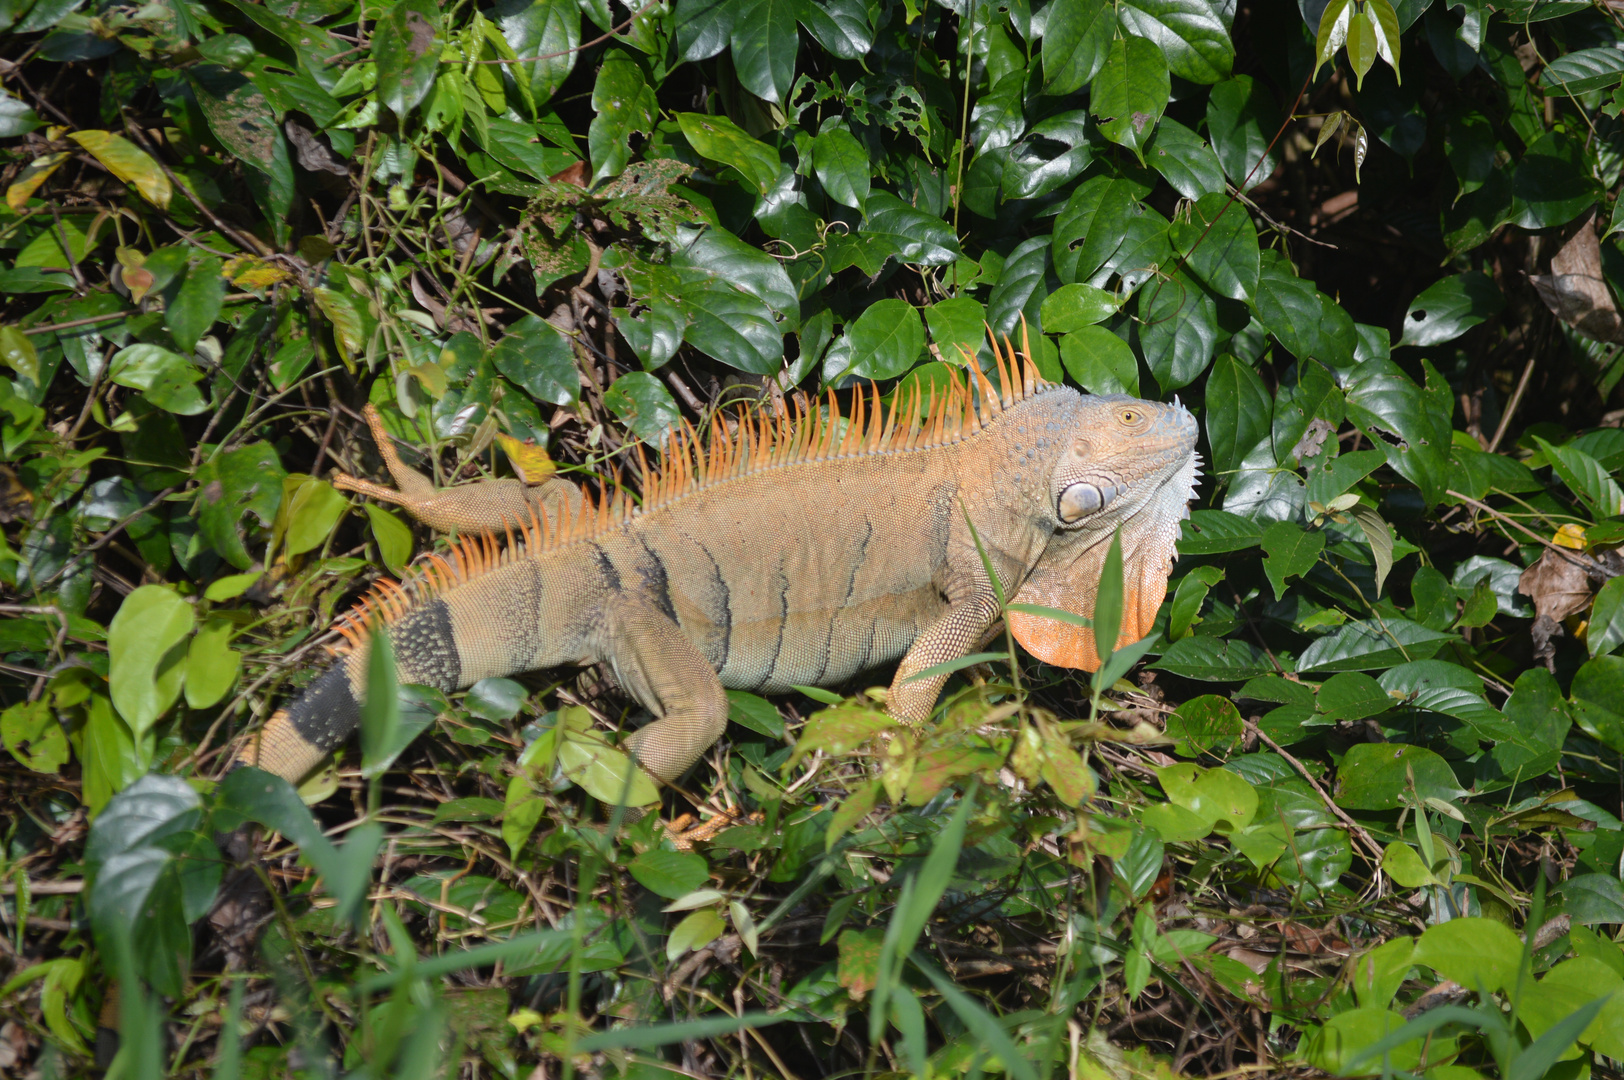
x=781, y=554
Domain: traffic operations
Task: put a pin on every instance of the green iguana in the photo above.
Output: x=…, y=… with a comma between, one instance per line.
x=783, y=553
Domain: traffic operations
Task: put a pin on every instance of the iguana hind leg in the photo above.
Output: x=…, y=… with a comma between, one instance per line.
x=490, y=506
x=670, y=677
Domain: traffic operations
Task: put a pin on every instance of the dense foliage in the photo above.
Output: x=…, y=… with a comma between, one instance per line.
x=1364, y=779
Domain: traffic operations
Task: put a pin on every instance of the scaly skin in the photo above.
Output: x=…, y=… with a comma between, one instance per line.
x=804, y=572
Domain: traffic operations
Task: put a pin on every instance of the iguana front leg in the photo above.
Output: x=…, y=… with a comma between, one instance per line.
x=955, y=634
x=489, y=506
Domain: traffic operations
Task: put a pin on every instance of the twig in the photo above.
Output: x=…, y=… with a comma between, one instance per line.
x=45, y=888
x=1353, y=826
x=1579, y=559
x=246, y=241
x=1511, y=406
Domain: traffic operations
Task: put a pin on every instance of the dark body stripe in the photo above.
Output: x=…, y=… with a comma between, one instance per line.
x=326, y=713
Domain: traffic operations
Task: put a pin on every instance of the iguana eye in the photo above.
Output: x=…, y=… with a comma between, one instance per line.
x=1080, y=500
x=1130, y=416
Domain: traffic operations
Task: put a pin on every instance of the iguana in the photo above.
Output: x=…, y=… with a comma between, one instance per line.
x=783, y=553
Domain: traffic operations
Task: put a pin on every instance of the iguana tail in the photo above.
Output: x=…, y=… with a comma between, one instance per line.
x=456, y=621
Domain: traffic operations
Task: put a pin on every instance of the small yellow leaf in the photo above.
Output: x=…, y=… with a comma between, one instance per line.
x=432, y=377
x=247, y=272
x=28, y=181
x=129, y=163
x=1570, y=536
x=530, y=461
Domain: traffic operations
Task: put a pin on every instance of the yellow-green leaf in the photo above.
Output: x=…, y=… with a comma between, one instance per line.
x=129, y=163
x=28, y=181
x=211, y=665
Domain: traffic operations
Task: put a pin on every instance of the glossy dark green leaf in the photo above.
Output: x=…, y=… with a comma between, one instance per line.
x=757, y=714
x=1241, y=122
x=1050, y=155
x=1178, y=330
x=720, y=139
x=534, y=29
x=842, y=167
x=1382, y=398
x=1099, y=361
x=884, y=341
x=765, y=40
x=246, y=480
x=1239, y=412
x=1193, y=34
x=1353, y=695
x=1583, y=70
x=1089, y=228
x=406, y=46
x=625, y=105
x=1075, y=306
x=1076, y=39
x=957, y=323
x=671, y=874
x=1026, y=282
x=1450, y=307
x=1212, y=532
x=703, y=27
x=734, y=327
x=536, y=356
x=1214, y=660
x=1289, y=551
x=841, y=26
x=196, y=303
x=1371, y=646
x=1552, y=184
x=1205, y=724
x=1220, y=245
x=1184, y=159
x=919, y=238
x=654, y=333
x=725, y=258
x=1130, y=92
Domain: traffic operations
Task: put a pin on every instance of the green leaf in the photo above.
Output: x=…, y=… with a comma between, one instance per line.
x=1289, y=308
x=841, y=26
x=495, y=698
x=720, y=139
x=1213, y=532
x=1593, y=899
x=1382, y=398
x=1021, y=289
x=1212, y=659
x=1101, y=362
x=394, y=538
x=1220, y=244
x=1585, y=477
x=536, y=356
x=644, y=404
x=1361, y=45
x=703, y=27
x=603, y=772
x=168, y=379
x=147, y=662
x=1352, y=695
x=1479, y=954
x=625, y=106
x=1376, y=776
x=917, y=237
x=1552, y=184
x=247, y=480
x=16, y=118
x=1368, y=646
x=1178, y=330
x=1130, y=92
x=1239, y=412
x=537, y=28
x=406, y=46
x=1450, y=307
x=1290, y=551
x=1241, y=121
x=211, y=665
x=734, y=327
x=196, y=303
x=1089, y=229
x=313, y=509
x=1185, y=160
x=765, y=41
x=1205, y=724
x=1583, y=70
x=957, y=323
x=34, y=737
x=842, y=166
x=1194, y=35
x=1332, y=33
x=380, y=712
x=757, y=714
x=1217, y=796
x=730, y=261
x=1075, y=306
x=1606, y=631
x=1076, y=40
x=671, y=874
x=1188, y=597
x=1378, y=537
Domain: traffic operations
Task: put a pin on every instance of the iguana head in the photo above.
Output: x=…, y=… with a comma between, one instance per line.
x=1123, y=463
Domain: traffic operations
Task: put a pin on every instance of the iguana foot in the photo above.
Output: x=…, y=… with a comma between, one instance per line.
x=687, y=830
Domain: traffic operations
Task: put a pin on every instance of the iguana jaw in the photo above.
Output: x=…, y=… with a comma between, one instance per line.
x=1131, y=466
